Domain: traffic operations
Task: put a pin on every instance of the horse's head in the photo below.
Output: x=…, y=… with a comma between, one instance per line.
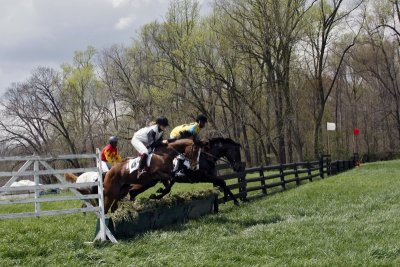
x=226, y=147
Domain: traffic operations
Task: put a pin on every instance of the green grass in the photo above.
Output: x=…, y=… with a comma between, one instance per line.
x=350, y=219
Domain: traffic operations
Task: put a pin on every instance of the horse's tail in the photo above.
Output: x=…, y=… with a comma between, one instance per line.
x=70, y=177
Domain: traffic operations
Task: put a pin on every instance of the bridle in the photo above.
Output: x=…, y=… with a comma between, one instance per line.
x=232, y=164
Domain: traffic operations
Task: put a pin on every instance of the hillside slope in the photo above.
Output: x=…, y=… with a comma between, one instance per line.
x=348, y=219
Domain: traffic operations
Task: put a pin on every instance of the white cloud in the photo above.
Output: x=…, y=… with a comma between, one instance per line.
x=124, y=23
x=140, y=3
x=118, y=3
x=47, y=32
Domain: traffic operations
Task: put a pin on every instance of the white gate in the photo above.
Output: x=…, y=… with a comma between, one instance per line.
x=46, y=169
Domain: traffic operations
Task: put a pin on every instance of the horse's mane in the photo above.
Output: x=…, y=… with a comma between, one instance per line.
x=181, y=140
x=223, y=140
x=173, y=140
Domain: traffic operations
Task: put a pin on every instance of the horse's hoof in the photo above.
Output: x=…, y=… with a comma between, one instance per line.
x=236, y=203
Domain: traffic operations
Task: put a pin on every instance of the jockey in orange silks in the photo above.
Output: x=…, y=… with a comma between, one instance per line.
x=110, y=154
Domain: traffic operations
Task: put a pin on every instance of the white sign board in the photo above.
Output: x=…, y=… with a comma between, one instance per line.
x=331, y=126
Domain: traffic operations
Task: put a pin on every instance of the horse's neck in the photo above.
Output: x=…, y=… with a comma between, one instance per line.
x=215, y=154
x=169, y=151
x=178, y=146
x=218, y=152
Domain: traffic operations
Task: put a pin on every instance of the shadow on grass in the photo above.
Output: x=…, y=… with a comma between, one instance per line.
x=245, y=222
x=219, y=219
x=209, y=219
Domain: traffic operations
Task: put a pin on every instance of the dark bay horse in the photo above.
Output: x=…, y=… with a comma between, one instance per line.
x=213, y=150
x=118, y=180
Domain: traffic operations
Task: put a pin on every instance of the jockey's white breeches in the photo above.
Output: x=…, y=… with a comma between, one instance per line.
x=139, y=146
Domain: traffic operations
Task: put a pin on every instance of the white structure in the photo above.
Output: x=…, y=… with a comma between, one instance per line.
x=331, y=126
x=48, y=170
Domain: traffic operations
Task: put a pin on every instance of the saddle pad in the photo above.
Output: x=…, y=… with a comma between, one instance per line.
x=175, y=163
x=133, y=164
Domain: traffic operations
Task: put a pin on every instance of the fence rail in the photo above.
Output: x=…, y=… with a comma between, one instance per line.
x=251, y=183
x=256, y=182
x=42, y=162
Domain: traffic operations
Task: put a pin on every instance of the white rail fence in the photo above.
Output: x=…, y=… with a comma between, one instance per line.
x=46, y=169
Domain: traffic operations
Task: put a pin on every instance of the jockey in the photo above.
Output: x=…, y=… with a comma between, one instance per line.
x=186, y=131
x=189, y=130
x=109, y=154
x=148, y=138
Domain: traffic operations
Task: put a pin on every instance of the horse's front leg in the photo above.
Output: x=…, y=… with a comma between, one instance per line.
x=167, y=181
x=163, y=192
x=221, y=183
x=166, y=184
x=114, y=206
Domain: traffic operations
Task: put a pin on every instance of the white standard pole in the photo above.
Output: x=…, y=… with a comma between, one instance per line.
x=102, y=218
x=36, y=180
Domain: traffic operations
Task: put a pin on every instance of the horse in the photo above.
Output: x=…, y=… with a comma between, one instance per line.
x=214, y=150
x=119, y=179
x=86, y=177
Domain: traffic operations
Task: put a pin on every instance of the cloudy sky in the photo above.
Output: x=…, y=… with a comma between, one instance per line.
x=47, y=32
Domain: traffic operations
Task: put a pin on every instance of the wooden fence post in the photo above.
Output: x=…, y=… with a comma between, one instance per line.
x=309, y=171
x=282, y=176
x=243, y=186
x=321, y=166
x=356, y=160
x=296, y=174
x=328, y=165
x=262, y=176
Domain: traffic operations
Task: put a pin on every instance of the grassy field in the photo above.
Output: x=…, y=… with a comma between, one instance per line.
x=350, y=219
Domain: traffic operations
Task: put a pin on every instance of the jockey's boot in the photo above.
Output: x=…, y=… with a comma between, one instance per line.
x=180, y=172
x=143, y=164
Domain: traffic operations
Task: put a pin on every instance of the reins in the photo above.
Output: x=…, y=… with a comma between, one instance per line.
x=206, y=153
x=216, y=158
x=191, y=154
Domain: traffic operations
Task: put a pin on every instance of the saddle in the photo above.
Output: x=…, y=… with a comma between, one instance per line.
x=133, y=164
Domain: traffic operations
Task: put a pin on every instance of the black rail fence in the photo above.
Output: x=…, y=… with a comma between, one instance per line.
x=260, y=181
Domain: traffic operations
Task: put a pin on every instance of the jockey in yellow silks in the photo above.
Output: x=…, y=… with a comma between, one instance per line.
x=187, y=131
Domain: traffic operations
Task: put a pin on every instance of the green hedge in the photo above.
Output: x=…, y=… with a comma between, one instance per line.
x=142, y=215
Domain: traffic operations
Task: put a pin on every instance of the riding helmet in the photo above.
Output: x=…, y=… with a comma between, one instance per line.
x=113, y=139
x=201, y=118
x=161, y=120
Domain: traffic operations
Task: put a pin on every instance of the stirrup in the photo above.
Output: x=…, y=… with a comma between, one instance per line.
x=180, y=174
x=141, y=172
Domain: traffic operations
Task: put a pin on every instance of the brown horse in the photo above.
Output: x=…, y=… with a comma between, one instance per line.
x=119, y=180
